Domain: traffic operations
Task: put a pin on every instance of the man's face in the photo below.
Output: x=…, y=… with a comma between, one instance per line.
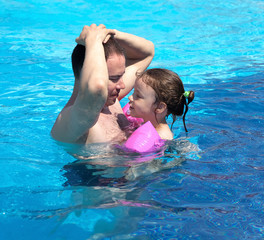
x=116, y=65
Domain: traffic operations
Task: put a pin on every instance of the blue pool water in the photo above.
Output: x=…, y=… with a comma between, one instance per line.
x=207, y=185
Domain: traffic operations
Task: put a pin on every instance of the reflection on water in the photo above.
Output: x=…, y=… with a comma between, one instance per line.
x=97, y=167
x=118, y=183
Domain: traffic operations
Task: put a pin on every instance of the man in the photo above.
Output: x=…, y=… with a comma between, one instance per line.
x=93, y=114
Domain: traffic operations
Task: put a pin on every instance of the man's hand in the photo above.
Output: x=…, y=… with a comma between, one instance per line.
x=94, y=33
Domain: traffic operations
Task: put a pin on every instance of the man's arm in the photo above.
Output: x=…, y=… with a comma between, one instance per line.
x=77, y=119
x=139, y=54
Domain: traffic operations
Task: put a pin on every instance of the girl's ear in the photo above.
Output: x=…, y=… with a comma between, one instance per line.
x=161, y=107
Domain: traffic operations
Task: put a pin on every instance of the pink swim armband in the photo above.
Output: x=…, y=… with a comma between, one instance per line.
x=144, y=139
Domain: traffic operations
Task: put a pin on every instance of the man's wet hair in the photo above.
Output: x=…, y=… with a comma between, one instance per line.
x=78, y=54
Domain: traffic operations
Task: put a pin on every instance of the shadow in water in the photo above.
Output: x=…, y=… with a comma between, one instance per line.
x=117, y=183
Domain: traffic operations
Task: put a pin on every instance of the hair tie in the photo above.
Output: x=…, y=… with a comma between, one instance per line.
x=186, y=94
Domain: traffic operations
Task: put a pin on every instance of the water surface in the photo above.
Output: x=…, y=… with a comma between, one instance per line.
x=207, y=185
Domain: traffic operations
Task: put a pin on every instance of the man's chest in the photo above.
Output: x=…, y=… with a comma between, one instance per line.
x=110, y=127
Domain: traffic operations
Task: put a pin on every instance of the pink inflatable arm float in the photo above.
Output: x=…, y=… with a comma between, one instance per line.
x=145, y=138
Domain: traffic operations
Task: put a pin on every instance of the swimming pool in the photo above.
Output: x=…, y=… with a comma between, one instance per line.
x=209, y=187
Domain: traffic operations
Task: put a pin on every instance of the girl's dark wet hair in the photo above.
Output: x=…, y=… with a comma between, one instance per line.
x=78, y=54
x=170, y=90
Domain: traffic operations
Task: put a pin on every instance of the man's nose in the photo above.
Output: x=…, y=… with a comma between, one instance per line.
x=121, y=84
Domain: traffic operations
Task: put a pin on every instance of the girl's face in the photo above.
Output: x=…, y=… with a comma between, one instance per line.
x=143, y=101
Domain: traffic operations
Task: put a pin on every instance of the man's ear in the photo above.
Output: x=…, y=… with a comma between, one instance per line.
x=161, y=107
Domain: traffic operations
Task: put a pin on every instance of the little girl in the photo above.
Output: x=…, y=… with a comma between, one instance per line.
x=157, y=94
